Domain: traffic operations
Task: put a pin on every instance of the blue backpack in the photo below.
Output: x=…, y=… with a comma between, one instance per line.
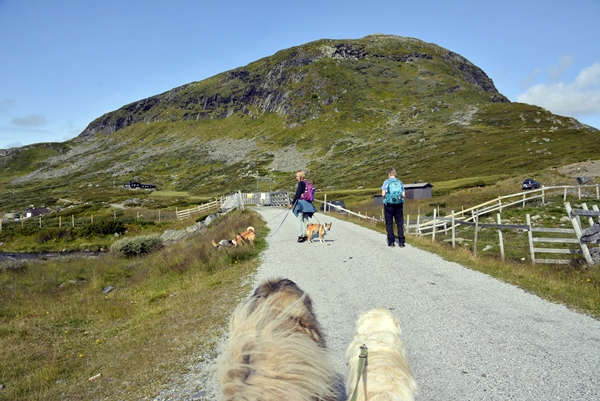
x=393, y=195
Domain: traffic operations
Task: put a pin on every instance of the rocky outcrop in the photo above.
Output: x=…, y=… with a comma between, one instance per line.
x=283, y=83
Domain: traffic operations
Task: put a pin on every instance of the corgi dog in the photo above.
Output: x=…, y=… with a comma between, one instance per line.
x=319, y=228
x=247, y=235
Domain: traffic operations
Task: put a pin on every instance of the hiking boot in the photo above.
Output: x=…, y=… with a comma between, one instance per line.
x=401, y=245
x=392, y=245
x=301, y=238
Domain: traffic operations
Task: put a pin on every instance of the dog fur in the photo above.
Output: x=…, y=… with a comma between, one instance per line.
x=319, y=228
x=221, y=244
x=276, y=349
x=247, y=235
x=387, y=375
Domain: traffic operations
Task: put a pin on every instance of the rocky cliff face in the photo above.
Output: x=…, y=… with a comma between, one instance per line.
x=282, y=83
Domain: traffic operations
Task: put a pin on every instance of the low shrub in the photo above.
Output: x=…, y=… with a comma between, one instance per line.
x=51, y=234
x=106, y=227
x=136, y=246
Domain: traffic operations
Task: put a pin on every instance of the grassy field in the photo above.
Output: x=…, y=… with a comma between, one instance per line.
x=63, y=338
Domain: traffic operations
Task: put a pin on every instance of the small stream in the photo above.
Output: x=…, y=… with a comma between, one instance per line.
x=44, y=255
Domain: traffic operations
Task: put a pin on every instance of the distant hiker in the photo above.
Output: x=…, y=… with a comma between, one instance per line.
x=302, y=204
x=393, y=195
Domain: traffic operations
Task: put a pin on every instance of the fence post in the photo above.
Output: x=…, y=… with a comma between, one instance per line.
x=500, y=239
x=530, y=235
x=433, y=227
x=73, y=221
x=590, y=218
x=240, y=200
x=579, y=192
x=59, y=221
x=475, y=239
x=1, y=225
x=597, y=192
x=565, y=195
x=159, y=215
x=407, y=223
x=325, y=203
x=524, y=198
x=577, y=227
x=453, y=232
x=543, y=195
x=40, y=222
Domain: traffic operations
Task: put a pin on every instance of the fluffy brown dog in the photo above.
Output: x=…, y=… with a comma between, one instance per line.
x=247, y=235
x=319, y=228
x=387, y=375
x=276, y=349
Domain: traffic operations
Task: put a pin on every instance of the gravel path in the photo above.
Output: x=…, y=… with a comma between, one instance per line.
x=468, y=336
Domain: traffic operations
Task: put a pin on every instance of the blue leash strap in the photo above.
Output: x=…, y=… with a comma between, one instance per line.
x=284, y=217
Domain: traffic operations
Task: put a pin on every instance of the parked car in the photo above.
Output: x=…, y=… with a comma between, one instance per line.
x=331, y=208
x=530, y=183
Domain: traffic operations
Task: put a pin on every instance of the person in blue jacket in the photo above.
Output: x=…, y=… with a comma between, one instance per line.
x=302, y=209
x=393, y=211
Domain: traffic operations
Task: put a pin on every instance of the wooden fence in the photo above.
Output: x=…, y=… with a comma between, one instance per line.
x=53, y=221
x=502, y=202
x=187, y=213
x=561, y=236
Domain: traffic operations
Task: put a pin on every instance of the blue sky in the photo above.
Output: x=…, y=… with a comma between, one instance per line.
x=66, y=62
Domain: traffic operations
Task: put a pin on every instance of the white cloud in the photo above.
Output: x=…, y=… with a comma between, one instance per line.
x=578, y=98
x=30, y=120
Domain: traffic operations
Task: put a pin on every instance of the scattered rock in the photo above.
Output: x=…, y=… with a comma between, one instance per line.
x=209, y=219
x=95, y=377
x=108, y=289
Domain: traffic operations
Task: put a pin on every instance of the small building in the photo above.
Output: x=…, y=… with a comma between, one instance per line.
x=33, y=212
x=139, y=185
x=418, y=190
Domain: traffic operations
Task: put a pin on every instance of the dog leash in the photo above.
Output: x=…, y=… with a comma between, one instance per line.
x=361, y=366
x=284, y=217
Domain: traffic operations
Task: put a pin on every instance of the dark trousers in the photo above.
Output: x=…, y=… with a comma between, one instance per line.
x=391, y=213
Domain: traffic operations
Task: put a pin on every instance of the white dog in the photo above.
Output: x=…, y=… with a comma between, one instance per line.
x=387, y=375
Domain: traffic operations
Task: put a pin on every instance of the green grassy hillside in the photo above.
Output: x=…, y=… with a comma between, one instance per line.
x=344, y=110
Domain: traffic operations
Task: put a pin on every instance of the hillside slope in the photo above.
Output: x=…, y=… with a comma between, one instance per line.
x=344, y=110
